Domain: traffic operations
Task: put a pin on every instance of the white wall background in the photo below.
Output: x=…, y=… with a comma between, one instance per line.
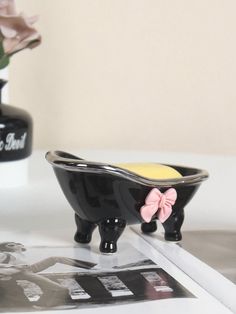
x=131, y=74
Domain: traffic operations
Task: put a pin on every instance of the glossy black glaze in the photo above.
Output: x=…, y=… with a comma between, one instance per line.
x=15, y=132
x=110, y=230
x=84, y=230
x=110, y=200
x=149, y=227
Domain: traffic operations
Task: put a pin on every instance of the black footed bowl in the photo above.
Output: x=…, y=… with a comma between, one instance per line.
x=110, y=197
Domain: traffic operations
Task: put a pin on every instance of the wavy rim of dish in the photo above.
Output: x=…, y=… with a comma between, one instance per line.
x=74, y=163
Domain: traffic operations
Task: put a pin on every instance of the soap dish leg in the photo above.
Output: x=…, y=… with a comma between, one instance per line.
x=110, y=230
x=84, y=230
x=173, y=226
x=149, y=227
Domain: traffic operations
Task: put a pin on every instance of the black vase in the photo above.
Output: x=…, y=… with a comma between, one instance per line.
x=15, y=143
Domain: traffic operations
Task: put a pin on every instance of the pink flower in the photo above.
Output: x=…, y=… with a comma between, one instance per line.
x=16, y=30
x=7, y=7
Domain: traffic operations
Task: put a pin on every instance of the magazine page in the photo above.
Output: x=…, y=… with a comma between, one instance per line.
x=44, y=273
x=209, y=278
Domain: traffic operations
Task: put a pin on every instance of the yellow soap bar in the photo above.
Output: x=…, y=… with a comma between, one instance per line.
x=151, y=170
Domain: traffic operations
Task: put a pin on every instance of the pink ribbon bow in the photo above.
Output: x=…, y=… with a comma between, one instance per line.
x=157, y=201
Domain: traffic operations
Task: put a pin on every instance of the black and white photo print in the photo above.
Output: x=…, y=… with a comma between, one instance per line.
x=43, y=278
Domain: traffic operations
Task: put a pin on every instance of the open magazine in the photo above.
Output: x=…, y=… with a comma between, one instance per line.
x=208, y=257
x=44, y=274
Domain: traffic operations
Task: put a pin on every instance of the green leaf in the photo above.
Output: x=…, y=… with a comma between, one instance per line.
x=4, y=59
x=2, y=52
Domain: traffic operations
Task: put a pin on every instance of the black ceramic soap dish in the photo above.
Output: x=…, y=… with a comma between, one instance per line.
x=110, y=197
